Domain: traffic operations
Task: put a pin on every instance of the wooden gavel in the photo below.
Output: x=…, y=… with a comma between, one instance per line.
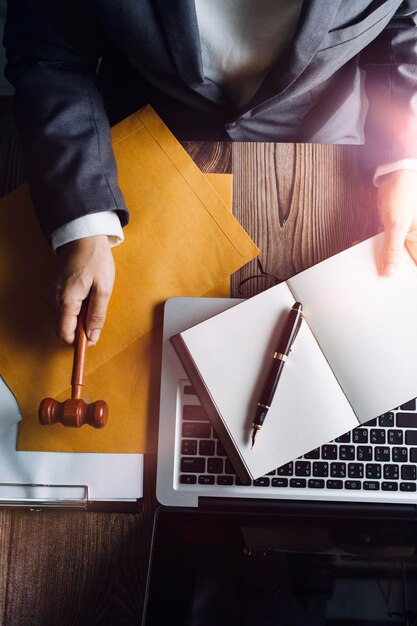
x=74, y=412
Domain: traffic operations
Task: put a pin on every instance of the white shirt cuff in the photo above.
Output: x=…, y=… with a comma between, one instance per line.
x=103, y=223
x=395, y=166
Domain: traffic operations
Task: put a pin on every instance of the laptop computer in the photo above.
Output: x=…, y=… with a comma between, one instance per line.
x=374, y=464
x=354, y=496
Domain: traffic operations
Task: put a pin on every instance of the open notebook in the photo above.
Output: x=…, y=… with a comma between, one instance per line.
x=354, y=357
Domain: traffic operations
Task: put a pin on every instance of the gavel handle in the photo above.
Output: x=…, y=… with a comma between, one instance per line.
x=80, y=345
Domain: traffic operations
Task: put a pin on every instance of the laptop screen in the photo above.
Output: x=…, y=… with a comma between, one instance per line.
x=210, y=569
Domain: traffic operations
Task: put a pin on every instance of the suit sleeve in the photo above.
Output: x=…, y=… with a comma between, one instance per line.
x=53, y=47
x=390, y=64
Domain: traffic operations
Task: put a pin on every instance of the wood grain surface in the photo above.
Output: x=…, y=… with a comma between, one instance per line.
x=300, y=203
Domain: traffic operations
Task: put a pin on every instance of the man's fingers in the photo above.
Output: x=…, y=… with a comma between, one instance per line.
x=411, y=246
x=86, y=271
x=68, y=311
x=96, y=314
x=393, y=249
x=398, y=215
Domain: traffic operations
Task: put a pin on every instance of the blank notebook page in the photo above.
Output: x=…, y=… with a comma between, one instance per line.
x=366, y=324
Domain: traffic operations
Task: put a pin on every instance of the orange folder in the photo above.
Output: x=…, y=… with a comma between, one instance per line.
x=181, y=240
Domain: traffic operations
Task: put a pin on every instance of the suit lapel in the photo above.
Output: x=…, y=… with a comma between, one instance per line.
x=179, y=23
x=316, y=19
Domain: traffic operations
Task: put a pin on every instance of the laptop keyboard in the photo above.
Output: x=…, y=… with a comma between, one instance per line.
x=378, y=456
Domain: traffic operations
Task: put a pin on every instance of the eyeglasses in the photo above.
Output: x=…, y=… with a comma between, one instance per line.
x=256, y=283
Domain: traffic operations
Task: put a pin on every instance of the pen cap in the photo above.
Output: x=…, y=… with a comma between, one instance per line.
x=290, y=330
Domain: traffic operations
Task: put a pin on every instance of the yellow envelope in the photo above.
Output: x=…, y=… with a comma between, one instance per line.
x=134, y=400
x=181, y=241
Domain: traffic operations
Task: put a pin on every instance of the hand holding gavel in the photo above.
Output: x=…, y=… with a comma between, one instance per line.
x=74, y=412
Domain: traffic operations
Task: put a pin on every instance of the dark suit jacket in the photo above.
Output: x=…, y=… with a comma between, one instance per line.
x=349, y=74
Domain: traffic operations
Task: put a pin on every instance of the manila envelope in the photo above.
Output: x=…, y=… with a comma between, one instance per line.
x=181, y=240
x=135, y=397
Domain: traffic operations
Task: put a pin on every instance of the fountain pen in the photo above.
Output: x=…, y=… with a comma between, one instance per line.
x=285, y=342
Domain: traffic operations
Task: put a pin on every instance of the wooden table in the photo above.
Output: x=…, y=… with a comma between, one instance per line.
x=300, y=203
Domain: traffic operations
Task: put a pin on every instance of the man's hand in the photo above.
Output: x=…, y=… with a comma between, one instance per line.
x=397, y=208
x=86, y=270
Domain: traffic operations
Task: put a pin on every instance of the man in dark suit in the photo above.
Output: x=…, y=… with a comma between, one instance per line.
x=332, y=71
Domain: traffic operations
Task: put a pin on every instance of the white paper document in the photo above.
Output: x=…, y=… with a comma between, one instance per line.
x=60, y=476
x=9, y=409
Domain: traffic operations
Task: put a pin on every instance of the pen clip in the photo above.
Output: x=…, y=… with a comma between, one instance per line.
x=297, y=330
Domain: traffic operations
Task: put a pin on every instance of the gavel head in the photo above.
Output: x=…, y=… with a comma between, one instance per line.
x=73, y=412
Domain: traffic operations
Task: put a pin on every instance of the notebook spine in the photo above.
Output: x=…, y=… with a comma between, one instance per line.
x=210, y=407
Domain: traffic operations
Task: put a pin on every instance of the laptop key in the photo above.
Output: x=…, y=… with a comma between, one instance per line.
x=316, y=483
x=346, y=453
x=215, y=466
x=334, y=484
x=399, y=455
x=386, y=420
x=377, y=435
x=395, y=437
x=353, y=484
x=338, y=470
x=371, y=423
x=263, y=481
x=224, y=480
x=343, y=438
x=194, y=413
x=382, y=453
x=391, y=472
x=228, y=467
x=407, y=486
x=389, y=486
x=286, y=470
x=360, y=435
x=408, y=472
x=409, y=406
x=413, y=455
x=371, y=485
x=329, y=452
x=193, y=465
x=280, y=482
x=364, y=453
x=188, y=479
x=313, y=454
x=411, y=437
x=355, y=470
x=373, y=470
x=195, y=429
x=299, y=483
x=407, y=420
x=243, y=483
x=320, y=469
x=302, y=468
x=206, y=448
x=206, y=480
x=189, y=446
